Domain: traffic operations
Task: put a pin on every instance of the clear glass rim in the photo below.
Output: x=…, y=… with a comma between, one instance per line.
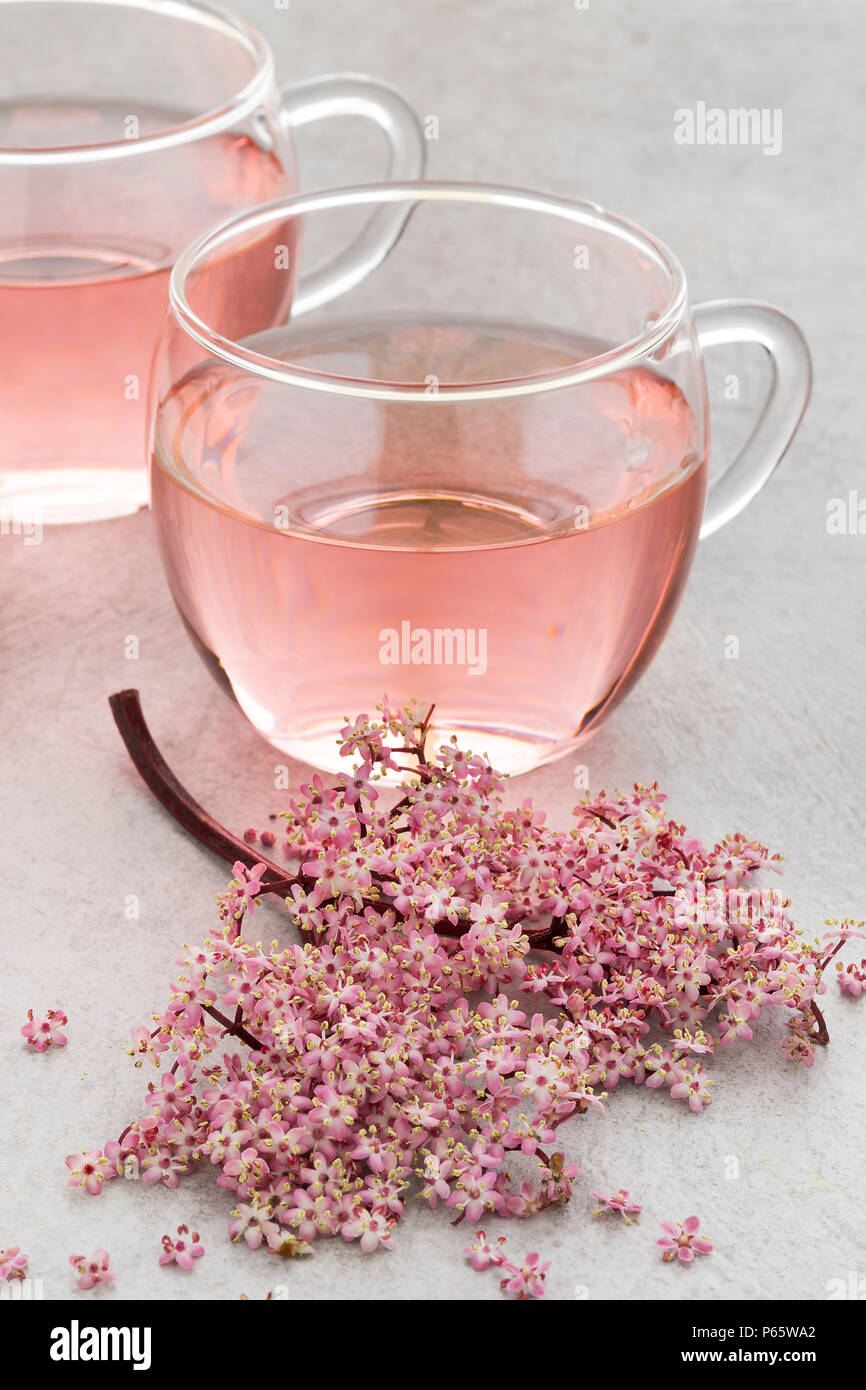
x=578, y=211
x=209, y=122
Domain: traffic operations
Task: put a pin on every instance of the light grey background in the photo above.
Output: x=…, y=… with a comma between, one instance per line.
x=577, y=102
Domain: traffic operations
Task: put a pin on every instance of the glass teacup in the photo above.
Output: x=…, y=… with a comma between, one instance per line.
x=126, y=128
x=476, y=480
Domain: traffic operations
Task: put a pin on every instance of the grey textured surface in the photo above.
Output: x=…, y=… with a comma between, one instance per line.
x=578, y=102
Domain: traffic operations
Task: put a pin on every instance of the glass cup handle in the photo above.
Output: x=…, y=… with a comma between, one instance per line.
x=348, y=94
x=747, y=321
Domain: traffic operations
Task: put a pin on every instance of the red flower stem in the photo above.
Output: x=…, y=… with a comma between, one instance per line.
x=822, y=965
x=822, y=1034
x=173, y=795
x=233, y=1028
x=279, y=885
x=159, y=778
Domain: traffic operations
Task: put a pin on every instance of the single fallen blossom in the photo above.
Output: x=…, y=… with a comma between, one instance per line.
x=526, y=1280
x=12, y=1263
x=92, y=1271
x=681, y=1240
x=42, y=1033
x=621, y=1203
x=482, y=1254
x=326, y=1079
x=90, y=1169
x=852, y=978
x=182, y=1252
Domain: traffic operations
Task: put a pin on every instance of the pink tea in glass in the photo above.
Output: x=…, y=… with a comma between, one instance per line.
x=476, y=479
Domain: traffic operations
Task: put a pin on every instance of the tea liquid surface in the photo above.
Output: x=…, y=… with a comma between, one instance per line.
x=514, y=561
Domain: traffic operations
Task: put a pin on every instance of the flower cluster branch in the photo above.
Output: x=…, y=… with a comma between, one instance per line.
x=466, y=979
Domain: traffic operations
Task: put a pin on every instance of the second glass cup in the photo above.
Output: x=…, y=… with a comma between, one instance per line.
x=477, y=479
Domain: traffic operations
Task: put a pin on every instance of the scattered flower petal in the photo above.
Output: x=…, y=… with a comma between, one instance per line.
x=42, y=1033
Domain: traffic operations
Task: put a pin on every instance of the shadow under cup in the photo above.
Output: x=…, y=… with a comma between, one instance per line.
x=475, y=479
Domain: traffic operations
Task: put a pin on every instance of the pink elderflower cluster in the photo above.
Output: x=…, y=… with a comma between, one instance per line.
x=42, y=1033
x=467, y=978
x=526, y=1280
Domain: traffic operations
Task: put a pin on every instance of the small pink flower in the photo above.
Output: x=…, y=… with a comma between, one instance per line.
x=163, y=1164
x=254, y=1224
x=482, y=1254
x=144, y=1044
x=373, y=1228
x=92, y=1271
x=12, y=1263
x=242, y=891
x=853, y=979
x=798, y=1045
x=694, y=1090
x=527, y=1281
x=681, y=1240
x=92, y=1168
x=181, y=1252
x=620, y=1202
x=42, y=1033
x=846, y=931
x=477, y=1192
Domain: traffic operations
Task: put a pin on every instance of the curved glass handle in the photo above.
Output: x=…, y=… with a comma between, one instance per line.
x=349, y=94
x=747, y=321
